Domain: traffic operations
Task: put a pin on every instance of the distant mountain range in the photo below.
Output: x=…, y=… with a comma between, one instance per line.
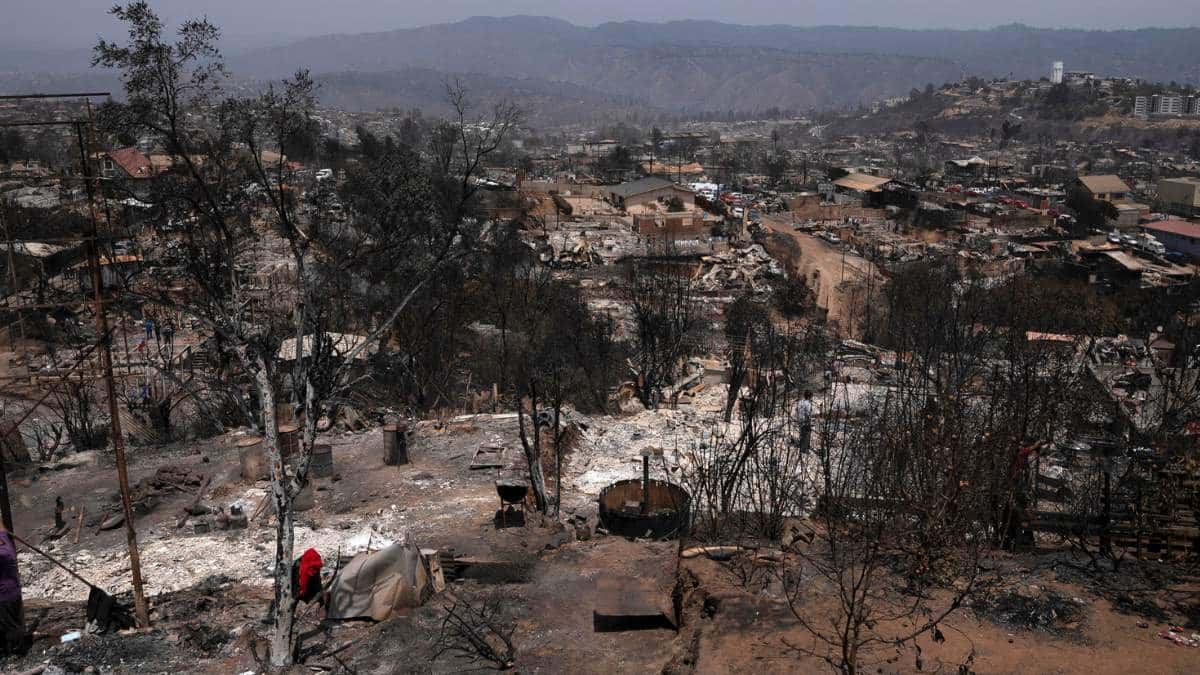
x=684, y=66
x=543, y=102
x=707, y=66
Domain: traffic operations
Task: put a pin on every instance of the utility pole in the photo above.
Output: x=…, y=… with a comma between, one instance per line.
x=12, y=273
x=5, y=505
x=118, y=440
x=870, y=270
x=5, y=502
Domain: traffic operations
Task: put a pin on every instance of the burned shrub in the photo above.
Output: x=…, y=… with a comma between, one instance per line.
x=1032, y=608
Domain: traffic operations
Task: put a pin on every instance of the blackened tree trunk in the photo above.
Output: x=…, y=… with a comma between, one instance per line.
x=533, y=449
x=283, y=617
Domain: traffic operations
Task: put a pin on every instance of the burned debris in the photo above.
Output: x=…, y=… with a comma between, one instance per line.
x=645, y=508
x=290, y=386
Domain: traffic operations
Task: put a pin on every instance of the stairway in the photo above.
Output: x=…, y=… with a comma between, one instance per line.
x=137, y=429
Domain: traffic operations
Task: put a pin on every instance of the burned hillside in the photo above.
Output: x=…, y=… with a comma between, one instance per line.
x=290, y=388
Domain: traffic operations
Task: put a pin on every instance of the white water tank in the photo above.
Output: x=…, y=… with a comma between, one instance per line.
x=1056, y=73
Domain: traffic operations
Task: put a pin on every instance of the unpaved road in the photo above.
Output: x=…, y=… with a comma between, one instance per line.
x=839, y=278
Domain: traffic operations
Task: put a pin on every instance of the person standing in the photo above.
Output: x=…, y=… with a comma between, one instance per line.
x=12, y=618
x=804, y=413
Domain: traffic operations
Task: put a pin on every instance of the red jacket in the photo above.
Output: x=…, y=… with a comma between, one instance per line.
x=309, y=575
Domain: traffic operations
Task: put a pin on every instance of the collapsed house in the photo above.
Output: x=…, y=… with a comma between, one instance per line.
x=750, y=268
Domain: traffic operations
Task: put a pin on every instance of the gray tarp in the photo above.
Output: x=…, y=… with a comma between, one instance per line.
x=375, y=585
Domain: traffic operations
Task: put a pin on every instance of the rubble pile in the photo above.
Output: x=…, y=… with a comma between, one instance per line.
x=862, y=363
x=1033, y=607
x=171, y=562
x=610, y=448
x=571, y=249
x=145, y=492
x=583, y=244
x=1177, y=635
x=750, y=267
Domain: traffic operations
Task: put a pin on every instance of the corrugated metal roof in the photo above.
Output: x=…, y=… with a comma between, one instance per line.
x=343, y=343
x=1125, y=260
x=861, y=182
x=36, y=249
x=692, y=168
x=973, y=161
x=1178, y=227
x=1036, y=336
x=641, y=186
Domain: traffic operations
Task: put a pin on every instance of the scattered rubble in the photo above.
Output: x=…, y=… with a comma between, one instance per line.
x=1179, y=636
x=1034, y=607
x=750, y=268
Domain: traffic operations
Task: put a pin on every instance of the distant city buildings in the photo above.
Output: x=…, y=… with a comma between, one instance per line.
x=882, y=104
x=1056, y=72
x=1166, y=104
x=1079, y=78
x=1170, y=105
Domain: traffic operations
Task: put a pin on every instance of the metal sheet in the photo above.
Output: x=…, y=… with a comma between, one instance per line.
x=631, y=603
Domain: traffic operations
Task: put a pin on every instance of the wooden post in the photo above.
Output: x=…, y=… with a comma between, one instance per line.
x=467, y=397
x=395, y=444
x=135, y=565
x=645, y=482
x=1105, y=541
x=12, y=270
x=79, y=525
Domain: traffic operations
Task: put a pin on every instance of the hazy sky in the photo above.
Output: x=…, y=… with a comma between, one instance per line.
x=70, y=23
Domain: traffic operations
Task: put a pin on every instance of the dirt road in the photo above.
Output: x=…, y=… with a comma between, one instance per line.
x=841, y=280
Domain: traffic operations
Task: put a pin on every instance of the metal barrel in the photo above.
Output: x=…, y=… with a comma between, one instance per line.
x=289, y=440
x=395, y=444
x=253, y=459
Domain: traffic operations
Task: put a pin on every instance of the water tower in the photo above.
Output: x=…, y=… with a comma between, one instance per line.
x=1056, y=72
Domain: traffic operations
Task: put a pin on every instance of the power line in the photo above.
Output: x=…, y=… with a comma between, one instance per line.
x=39, y=123
x=102, y=330
x=20, y=97
x=118, y=441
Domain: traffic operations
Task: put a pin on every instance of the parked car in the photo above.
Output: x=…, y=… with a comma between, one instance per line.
x=1151, y=244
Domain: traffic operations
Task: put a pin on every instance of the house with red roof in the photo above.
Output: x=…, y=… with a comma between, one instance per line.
x=1177, y=235
x=126, y=163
